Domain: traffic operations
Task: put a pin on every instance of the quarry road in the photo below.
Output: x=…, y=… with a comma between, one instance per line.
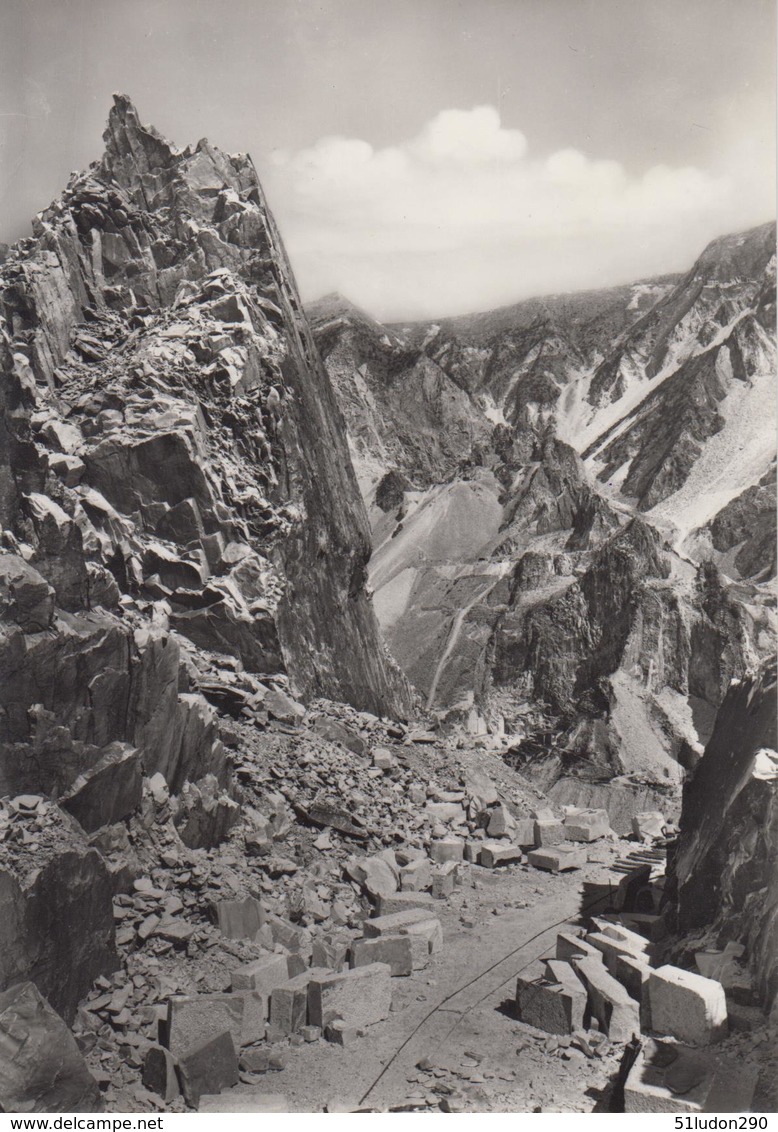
x=453, y=636
x=452, y=1010
x=452, y=1029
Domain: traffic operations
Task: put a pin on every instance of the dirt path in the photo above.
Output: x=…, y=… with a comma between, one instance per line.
x=452, y=1010
x=453, y=636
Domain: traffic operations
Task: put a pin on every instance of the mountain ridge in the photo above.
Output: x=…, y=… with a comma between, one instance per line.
x=524, y=444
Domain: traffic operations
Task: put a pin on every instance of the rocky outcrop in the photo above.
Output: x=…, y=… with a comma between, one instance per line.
x=179, y=514
x=175, y=470
x=41, y=1068
x=734, y=273
x=566, y=645
x=666, y=434
x=56, y=916
x=207, y=467
x=92, y=680
x=631, y=659
x=745, y=530
x=724, y=873
x=404, y=410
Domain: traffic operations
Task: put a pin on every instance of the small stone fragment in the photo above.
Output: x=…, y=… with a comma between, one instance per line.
x=396, y=950
x=208, y=1068
x=159, y=1073
x=358, y=997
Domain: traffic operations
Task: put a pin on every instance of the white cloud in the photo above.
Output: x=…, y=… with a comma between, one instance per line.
x=463, y=217
x=469, y=136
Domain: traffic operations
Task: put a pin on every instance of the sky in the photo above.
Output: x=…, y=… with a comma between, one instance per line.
x=423, y=157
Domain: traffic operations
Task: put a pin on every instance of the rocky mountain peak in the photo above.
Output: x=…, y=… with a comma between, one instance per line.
x=738, y=256
x=178, y=501
x=132, y=150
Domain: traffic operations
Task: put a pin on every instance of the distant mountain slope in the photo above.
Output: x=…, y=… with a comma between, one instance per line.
x=505, y=458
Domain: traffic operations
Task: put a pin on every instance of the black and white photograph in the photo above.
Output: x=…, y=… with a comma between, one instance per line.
x=388, y=560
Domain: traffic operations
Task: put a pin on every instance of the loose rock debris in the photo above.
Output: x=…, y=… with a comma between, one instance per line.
x=224, y=950
x=230, y=958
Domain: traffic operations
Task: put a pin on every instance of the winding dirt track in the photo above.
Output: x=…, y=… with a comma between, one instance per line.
x=453, y=637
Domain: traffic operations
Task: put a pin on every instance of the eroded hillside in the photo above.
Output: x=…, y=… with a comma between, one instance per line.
x=572, y=503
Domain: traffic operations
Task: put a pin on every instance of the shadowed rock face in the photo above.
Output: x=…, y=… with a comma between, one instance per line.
x=41, y=1068
x=725, y=866
x=747, y=526
x=56, y=915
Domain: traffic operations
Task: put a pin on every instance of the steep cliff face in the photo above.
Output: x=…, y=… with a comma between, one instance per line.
x=179, y=517
x=57, y=926
x=725, y=872
x=685, y=399
x=589, y=526
x=181, y=420
x=745, y=529
x=403, y=408
x=632, y=655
